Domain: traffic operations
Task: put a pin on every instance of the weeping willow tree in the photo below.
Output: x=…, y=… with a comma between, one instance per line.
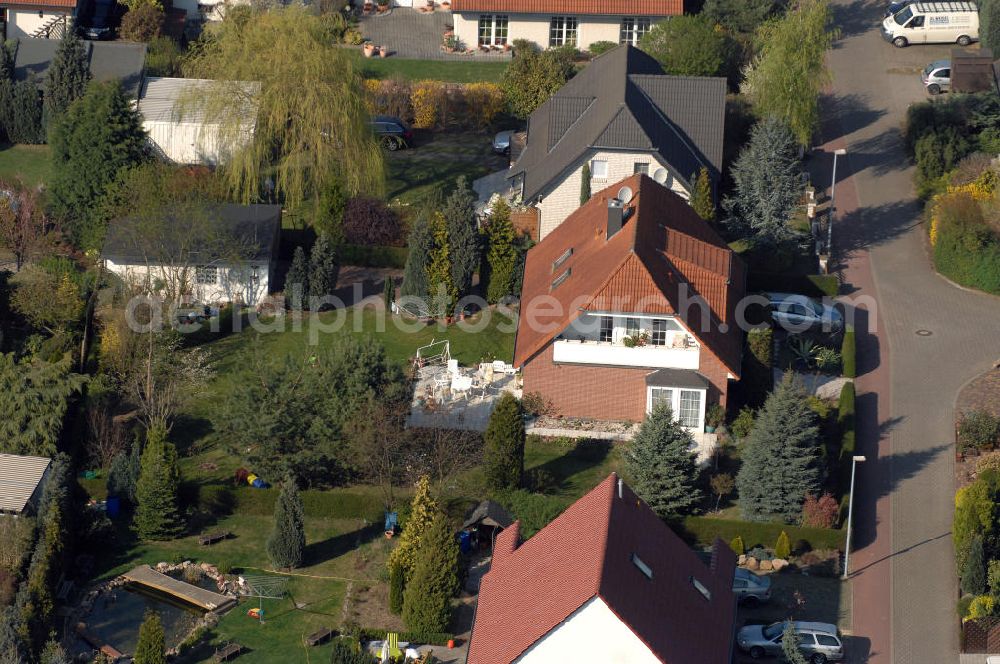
x=310, y=128
x=786, y=77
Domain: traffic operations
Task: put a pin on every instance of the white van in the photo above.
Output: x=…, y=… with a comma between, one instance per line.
x=933, y=23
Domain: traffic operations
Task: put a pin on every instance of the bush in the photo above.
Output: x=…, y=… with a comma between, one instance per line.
x=963, y=606
x=820, y=513
x=373, y=256
x=143, y=23
x=820, y=563
x=760, y=553
x=989, y=461
x=845, y=422
x=601, y=47
x=969, y=256
x=428, y=101
x=534, y=510
x=848, y=353
x=981, y=606
x=800, y=547
x=782, y=547
x=741, y=426
x=757, y=365
x=537, y=404
x=736, y=544
x=483, y=102
x=540, y=480
x=703, y=531
x=978, y=430
x=367, y=221
x=397, y=580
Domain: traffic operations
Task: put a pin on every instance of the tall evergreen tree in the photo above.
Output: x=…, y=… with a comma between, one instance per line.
x=701, y=200
x=791, y=650
x=287, y=543
x=420, y=243
x=780, y=457
x=502, y=255
x=6, y=63
x=463, y=238
x=323, y=268
x=388, y=293
x=33, y=399
x=91, y=146
x=68, y=76
x=428, y=594
x=157, y=515
x=330, y=213
x=151, y=648
x=767, y=184
x=585, y=184
x=125, y=469
x=397, y=584
x=974, y=569
x=297, y=280
x=503, y=455
x=661, y=465
x=442, y=288
x=989, y=24
x=423, y=507
x=21, y=111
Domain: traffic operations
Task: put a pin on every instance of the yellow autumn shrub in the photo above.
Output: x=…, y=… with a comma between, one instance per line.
x=428, y=101
x=484, y=101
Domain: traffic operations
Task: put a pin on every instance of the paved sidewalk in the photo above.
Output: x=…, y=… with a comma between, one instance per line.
x=905, y=586
x=409, y=33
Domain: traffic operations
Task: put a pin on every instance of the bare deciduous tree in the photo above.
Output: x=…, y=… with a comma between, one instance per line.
x=106, y=438
x=23, y=224
x=376, y=435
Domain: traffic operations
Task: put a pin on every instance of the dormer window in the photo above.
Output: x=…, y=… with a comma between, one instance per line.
x=643, y=567
x=558, y=263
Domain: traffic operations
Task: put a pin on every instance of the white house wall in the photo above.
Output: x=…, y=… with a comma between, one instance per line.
x=231, y=283
x=593, y=634
x=24, y=22
x=535, y=28
x=564, y=198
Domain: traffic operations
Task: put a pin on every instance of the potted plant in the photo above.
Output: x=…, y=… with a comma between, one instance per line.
x=506, y=47
x=714, y=417
x=450, y=43
x=382, y=6
x=383, y=51
x=368, y=49
x=368, y=7
x=446, y=4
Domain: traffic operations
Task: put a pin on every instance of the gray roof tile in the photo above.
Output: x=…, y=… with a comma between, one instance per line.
x=108, y=61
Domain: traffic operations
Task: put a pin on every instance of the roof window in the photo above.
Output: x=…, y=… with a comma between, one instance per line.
x=700, y=587
x=561, y=278
x=558, y=263
x=643, y=567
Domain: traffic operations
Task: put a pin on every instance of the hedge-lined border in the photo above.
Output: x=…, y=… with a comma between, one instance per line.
x=704, y=531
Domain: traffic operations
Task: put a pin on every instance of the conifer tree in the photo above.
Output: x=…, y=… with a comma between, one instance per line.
x=297, y=280
x=974, y=569
x=502, y=255
x=463, y=238
x=157, y=516
x=780, y=457
x=420, y=243
x=68, y=76
x=660, y=463
x=442, y=288
x=287, y=543
x=790, y=649
x=428, y=594
x=701, y=200
x=423, y=507
x=388, y=293
x=585, y=184
x=151, y=648
x=503, y=455
x=397, y=584
x=6, y=64
x=323, y=268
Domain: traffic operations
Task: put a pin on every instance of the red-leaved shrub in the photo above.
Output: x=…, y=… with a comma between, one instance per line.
x=821, y=513
x=368, y=221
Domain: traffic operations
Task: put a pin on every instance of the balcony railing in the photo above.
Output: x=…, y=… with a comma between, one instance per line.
x=588, y=351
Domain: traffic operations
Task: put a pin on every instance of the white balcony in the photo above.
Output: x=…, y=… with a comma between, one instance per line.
x=607, y=353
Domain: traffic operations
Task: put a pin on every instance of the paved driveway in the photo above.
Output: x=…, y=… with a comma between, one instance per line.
x=930, y=338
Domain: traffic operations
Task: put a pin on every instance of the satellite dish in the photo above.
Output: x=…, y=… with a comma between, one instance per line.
x=625, y=195
x=660, y=175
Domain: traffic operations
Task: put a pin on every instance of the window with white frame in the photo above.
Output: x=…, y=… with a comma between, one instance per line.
x=599, y=169
x=206, y=275
x=659, y=335
x=640, y=168
x=607, y=328
x=689, y=412
x=492, y=29
x=633, y=29
x=631, y=326
x=660, y=396
x=562, y=31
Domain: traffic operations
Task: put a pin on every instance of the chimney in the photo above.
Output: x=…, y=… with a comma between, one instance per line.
x=616, y=215
x=506, y=544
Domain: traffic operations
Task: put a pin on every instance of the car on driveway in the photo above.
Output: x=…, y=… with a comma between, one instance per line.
x=895, y=7
x=98, y=19
x=937, y=76
x=392, y=133
x=798, y=313
x=819, y=642
x=501, y=142
x=751, y=589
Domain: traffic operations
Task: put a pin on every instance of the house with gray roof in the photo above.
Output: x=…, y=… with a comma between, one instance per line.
x=124, y=61
x=620, y=116
x=22, y=479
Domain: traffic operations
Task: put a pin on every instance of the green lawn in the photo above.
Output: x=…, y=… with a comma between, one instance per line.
x=432, y=164
x=451, y=71
x=29, y=162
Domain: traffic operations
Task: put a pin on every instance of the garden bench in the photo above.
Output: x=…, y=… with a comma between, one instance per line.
x=212, y=538
x=319, y=636
x=228, y=652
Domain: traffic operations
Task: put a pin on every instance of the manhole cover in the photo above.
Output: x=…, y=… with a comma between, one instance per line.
x=924, y=333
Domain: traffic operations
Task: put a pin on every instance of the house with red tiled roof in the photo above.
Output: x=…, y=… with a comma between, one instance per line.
x=629, y=303
x=606, y=581
x=48, y=19
x=553, y=23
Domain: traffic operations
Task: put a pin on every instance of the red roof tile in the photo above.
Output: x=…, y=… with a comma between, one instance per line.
x=587, y=552
x=665, y=255
x=619, y=7
x=60, y=4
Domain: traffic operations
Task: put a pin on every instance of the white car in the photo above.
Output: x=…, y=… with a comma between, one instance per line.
x=501, y=142
x=798, y=313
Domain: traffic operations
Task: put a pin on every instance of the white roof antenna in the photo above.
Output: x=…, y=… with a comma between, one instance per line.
x=625, y=195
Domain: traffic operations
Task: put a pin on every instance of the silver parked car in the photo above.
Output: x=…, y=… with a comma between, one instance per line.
x=750, y=589
x=798, y=313
x=937, y=76
x=819, y=642
x=501, y=142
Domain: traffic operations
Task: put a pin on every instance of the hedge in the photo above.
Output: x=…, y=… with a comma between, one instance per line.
x=813, y=285
x=373, y=256
x=846, y=423
x=422, y=638
x=704, y=530
x=332, y=504
x=533, y=510
x=758, y=377
x=849, y=353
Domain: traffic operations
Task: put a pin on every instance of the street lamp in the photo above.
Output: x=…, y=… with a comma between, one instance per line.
x=833, y=191
x=850, y=512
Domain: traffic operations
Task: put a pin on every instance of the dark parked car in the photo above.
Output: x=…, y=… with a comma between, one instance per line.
x=98, y=19
x=392, y=133
x=895, y=7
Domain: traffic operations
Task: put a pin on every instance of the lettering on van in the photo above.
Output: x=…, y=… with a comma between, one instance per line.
x=939, y=20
